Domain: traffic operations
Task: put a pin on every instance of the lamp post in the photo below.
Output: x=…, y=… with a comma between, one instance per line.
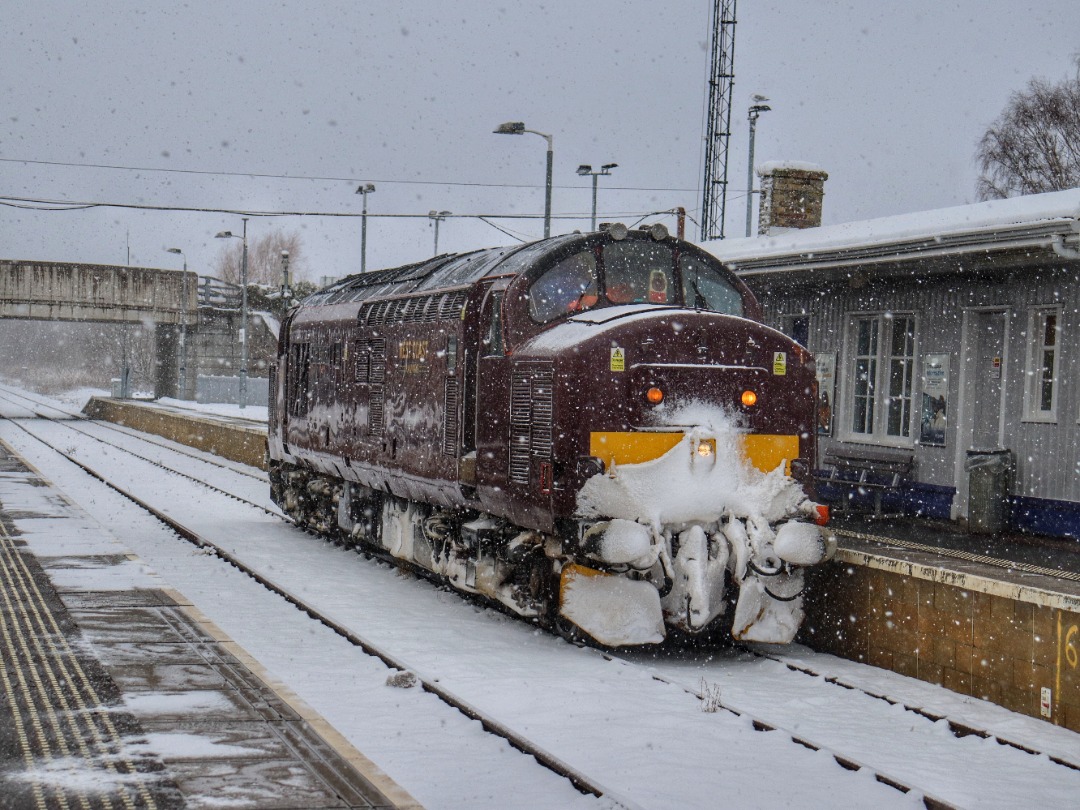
x=181, y=380
x=285, y=292
x=243, y=311
x=585, y=170
x=518, y=128
x=755, y=110
x=437, y=217
x=365, y=189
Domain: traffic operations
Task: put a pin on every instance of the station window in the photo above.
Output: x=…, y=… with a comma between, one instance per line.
x=797, y=327
x=882, y=352
x=1041, y=391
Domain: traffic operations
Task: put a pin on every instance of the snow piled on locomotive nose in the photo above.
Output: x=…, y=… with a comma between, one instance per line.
x=684, y=486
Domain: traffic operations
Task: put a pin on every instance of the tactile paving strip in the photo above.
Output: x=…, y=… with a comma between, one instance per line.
x=130, y=698
x=68, y=747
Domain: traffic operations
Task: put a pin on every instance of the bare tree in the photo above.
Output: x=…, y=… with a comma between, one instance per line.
x=264, y=258
x=1034, y=145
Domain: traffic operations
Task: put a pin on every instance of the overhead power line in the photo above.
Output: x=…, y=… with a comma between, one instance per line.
x=266, y=176
x=40, y=204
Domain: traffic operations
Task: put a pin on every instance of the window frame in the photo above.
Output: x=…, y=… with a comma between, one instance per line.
x=1034, y=368
x=879, y=398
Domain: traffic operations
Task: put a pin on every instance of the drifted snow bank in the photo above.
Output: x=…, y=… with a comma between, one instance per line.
x=684, y=487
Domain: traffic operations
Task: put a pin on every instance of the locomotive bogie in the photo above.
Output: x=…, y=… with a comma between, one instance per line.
x=592, y=431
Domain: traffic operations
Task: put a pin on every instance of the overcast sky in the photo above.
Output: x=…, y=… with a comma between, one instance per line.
x=288, y=106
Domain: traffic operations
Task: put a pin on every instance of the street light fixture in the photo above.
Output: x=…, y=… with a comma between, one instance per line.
x=585, y=170
x=181, y=380
x=756, y=109
x=518, y=128
x=437, y=217
x=243, y=310
x=285, y=292
x=365, y=189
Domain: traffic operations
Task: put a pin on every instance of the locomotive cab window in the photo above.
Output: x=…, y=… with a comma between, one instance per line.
x=705, y=288
x=492, y=340
x=639, y=273
x=569, y=286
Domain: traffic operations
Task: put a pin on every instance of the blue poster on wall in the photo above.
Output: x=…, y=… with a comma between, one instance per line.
x=935, y=400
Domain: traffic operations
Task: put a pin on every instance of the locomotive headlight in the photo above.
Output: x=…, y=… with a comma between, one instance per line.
x=749, y=398
x=706, y=448
x=654, y=396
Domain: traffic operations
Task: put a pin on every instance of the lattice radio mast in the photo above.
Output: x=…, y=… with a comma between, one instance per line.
x=718, y=127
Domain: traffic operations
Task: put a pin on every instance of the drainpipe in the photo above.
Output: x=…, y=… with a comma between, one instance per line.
x=1063, y=250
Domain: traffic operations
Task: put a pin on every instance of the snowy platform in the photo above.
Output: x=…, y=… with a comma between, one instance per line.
x=227, y=434
x=119, y=692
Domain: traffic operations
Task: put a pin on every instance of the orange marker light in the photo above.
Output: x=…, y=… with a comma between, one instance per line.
x=749, y=398
x=654, y=395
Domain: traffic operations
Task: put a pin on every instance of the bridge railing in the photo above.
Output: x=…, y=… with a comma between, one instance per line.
x=213, y=292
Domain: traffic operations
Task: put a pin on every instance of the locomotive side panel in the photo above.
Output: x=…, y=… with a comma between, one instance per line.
x=377, y=404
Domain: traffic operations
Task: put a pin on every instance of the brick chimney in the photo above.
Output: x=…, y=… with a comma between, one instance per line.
x=791, y=195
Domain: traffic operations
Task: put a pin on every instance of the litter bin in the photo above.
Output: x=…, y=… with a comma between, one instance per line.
x=989, y=485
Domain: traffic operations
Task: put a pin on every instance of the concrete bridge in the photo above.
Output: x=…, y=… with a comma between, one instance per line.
x=196, y=321
x=58, y=291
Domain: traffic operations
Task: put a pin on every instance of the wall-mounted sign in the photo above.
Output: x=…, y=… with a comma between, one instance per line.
x=935, y=399
x=826, y=380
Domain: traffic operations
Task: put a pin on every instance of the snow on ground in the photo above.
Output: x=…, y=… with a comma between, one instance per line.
x=256, y=413
x=645, y=740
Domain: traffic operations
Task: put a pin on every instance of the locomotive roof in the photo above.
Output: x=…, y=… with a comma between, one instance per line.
x=442, y=272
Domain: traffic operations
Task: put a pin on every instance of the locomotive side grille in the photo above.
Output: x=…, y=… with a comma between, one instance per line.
x=376, y=376
x=271, y=401
x=451, y=418
x=418, y=309
x=450, y=304
x=531, y=399
x=377, y=364
x=540, y=441
x=376, y=420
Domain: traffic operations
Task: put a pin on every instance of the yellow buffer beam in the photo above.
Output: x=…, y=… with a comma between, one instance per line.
x=764, y=450
x=630, y=447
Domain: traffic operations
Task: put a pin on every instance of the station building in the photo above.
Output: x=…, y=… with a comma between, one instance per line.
x=938, y=335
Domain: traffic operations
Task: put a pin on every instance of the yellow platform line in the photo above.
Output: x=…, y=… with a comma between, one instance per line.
x=67, y=662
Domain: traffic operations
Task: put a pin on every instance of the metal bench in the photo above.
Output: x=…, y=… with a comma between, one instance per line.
x=858, y=469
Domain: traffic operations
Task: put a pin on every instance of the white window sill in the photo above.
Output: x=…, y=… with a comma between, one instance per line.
x=1041, y=419
x=877, y=441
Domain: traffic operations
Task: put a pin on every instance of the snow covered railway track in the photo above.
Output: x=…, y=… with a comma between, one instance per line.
x=711, y=701
x=67, y=417
x=957, y=727
x=407, y=674
x=812, y=711
x=156, y=463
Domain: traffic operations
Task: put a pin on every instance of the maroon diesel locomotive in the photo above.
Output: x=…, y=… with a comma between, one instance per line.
x=594, y=430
